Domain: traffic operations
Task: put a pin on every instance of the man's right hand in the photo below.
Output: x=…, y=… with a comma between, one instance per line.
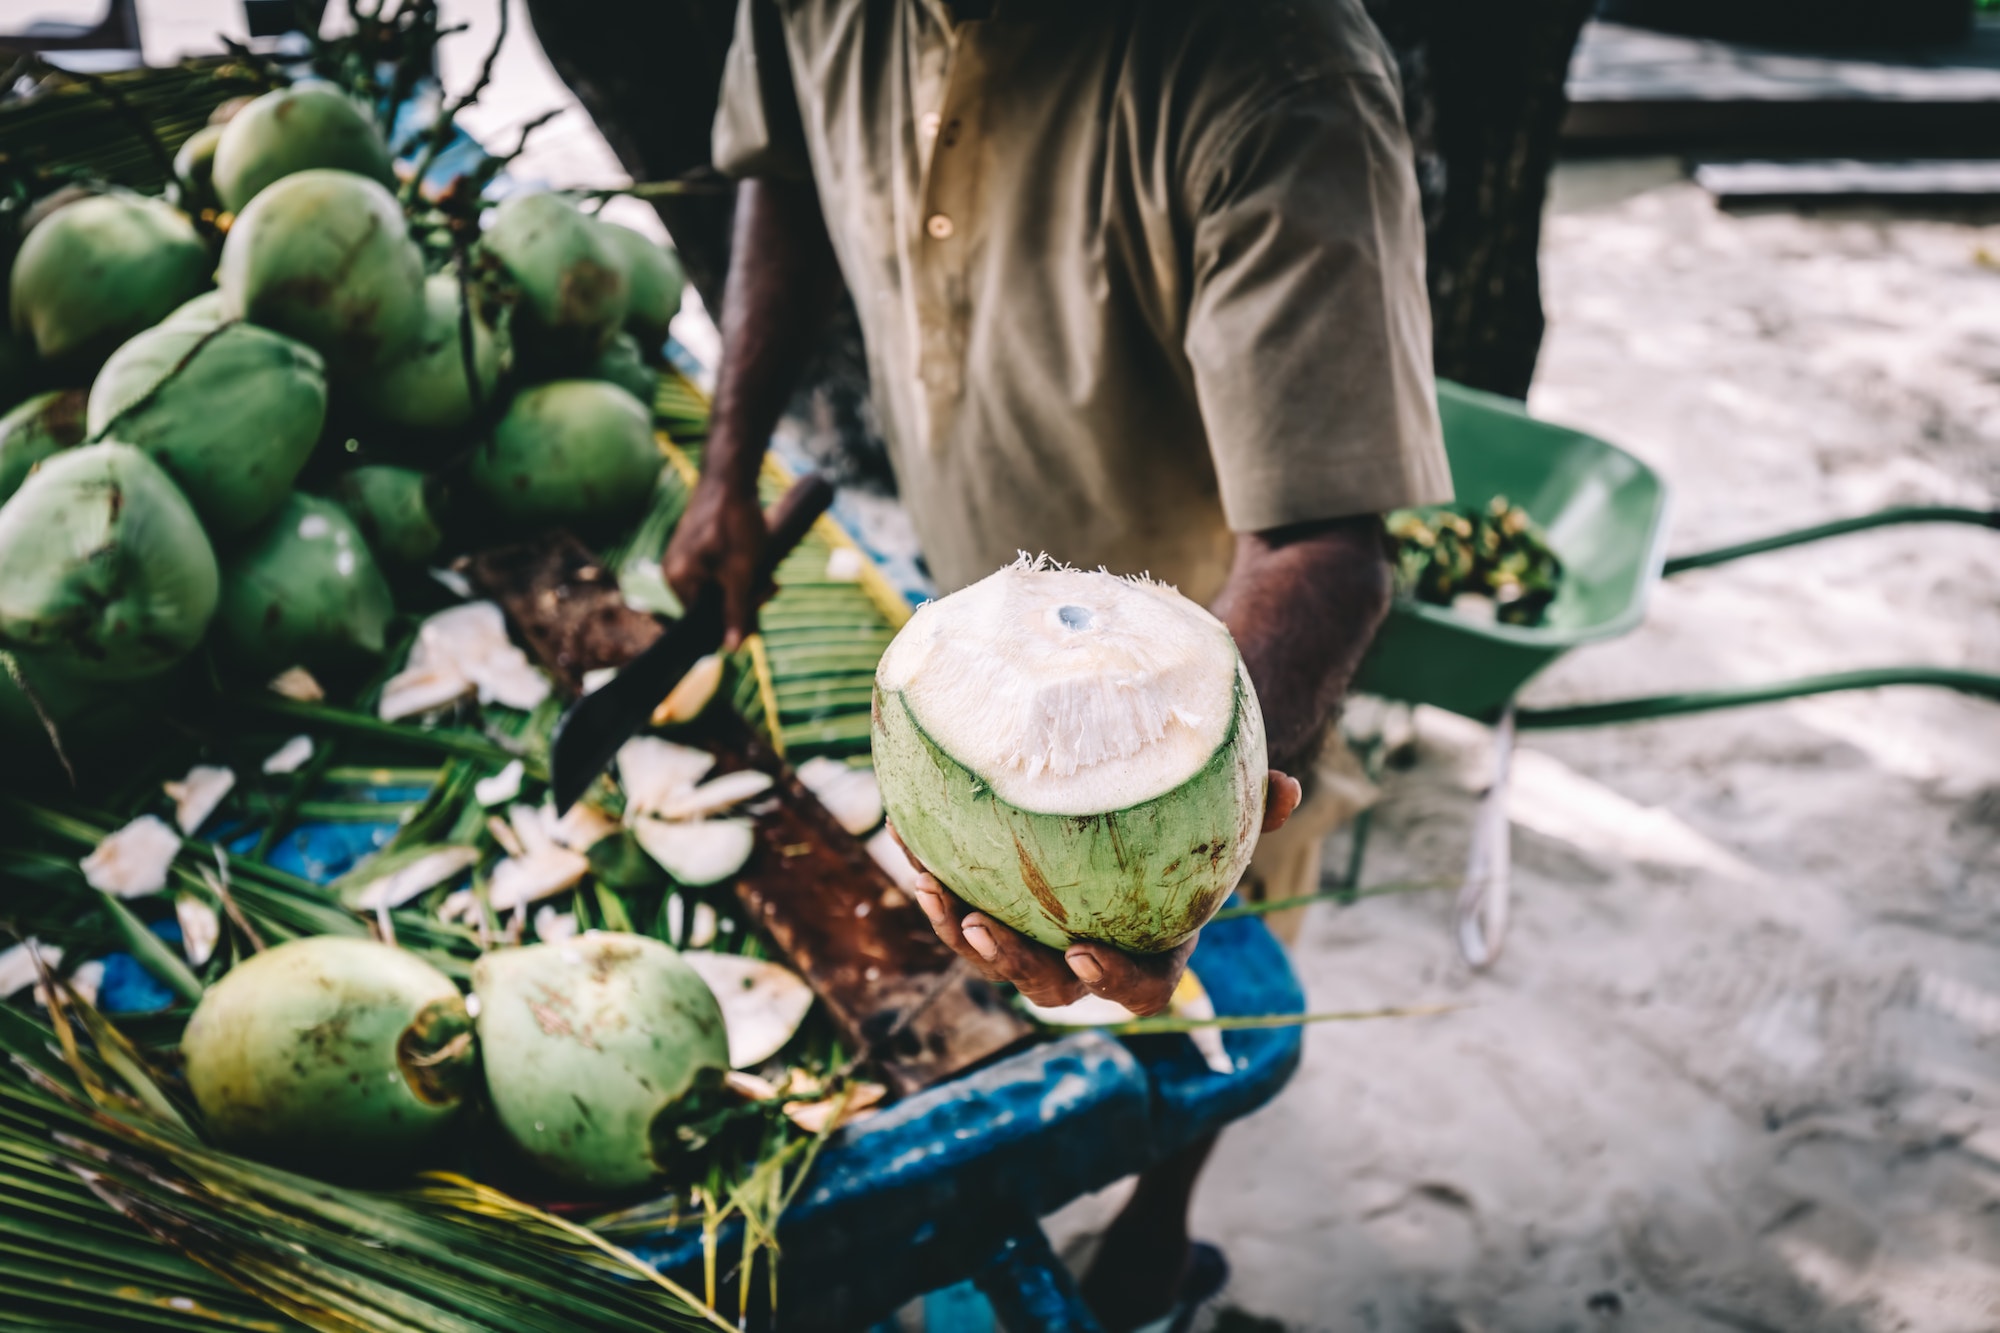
x=720, y=540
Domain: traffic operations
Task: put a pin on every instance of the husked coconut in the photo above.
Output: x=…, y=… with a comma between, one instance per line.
x=1079, y=755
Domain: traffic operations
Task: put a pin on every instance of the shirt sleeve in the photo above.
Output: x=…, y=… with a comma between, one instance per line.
x=1308, y=322
x=758, y=131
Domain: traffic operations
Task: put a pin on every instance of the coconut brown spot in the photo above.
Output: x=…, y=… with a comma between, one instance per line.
x=1038, y=884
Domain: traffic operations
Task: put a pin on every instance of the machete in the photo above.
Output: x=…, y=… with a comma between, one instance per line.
x=589, y=734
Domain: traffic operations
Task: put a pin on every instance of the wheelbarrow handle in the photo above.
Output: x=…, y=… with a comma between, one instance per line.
x=1984, y=518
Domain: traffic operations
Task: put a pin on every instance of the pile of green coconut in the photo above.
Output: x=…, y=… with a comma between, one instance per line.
x=266, y=399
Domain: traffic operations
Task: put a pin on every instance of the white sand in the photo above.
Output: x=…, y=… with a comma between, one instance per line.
x=1737, y=1069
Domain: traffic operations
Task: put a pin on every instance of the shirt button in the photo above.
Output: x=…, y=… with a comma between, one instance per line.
x=939, y=226
x=928, y=124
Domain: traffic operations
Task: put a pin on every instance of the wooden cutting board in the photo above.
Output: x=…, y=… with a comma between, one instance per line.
x=864, y=946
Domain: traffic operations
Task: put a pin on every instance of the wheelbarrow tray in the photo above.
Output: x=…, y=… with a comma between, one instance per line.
x=1604, y=513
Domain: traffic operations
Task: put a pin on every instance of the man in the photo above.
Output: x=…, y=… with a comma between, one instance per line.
x=1141, y=285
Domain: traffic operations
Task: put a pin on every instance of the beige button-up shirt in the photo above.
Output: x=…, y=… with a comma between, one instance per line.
x=1133, y=274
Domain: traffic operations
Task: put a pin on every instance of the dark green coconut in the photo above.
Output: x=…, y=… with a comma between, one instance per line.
x=296, y=129
x=39, y=428
x=654, y=277
x=104, y=568
x=231, y=411
x=321, y=256
x=396, y=509
x=571, y=277
x=623, y=366
x=100, y=270
x=306, y=591
x=426, y=388
x=576, y=453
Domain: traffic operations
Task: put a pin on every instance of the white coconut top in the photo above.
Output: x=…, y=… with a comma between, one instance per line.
x=1070, y=692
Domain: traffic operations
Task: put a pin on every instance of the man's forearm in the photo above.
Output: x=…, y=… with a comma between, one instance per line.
x=1303, y=604
x=782, y=283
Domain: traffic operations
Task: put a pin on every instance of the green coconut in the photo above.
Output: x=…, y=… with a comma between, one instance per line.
x=623, y=366
x=231, y=411
x=396, y=510
x=1077, y=754
x=592, y=1050
x=571, y=277
x=305, y=591
x=194, y=170
x=321, y=256
x=654, y=277
x=342, y=1054
x=39, y=428
x=295, y=129
x=205, y=309
x=104, y=568
x=100, y=270
x=426, y=388
x=573, y=452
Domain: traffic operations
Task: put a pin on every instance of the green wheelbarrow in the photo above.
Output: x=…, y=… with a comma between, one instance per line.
x=1604, y=513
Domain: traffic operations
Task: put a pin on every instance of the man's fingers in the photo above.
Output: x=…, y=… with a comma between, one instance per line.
x=739, y=609
x=1143, y=983
x=1280, y=800
x=1035, y=970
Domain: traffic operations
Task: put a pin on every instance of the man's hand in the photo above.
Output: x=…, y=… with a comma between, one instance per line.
x=720, y=539
x=1143, y=983
x=782, y=282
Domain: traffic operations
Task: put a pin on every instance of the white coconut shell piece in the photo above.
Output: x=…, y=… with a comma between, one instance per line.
x=716, y=794
x=297, y=683
x=459, y=905
x=463, y=651
x=704, y=852
x=652, y=771
x=133, y=862
x=552, y=927
x=197, y=795
x=581, y=828
x=690, y=695
x=886, y=852
x=502, y=787
x=815, y=1117
x=420, y=876
x=702, y=930
x=844, y=564
x=84, y=982
x=520, y=880
x=201, y=929
x=291, y=756
x=593, y=681
x=850, y=795
x=762, y=1003
x=17, y=965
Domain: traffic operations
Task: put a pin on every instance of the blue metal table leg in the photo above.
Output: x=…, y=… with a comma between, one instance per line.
x=1031, y=1290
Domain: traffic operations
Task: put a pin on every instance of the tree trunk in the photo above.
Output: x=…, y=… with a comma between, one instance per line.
x=1483, y=89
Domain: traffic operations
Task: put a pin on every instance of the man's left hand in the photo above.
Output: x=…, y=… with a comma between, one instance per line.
x=1143, y=983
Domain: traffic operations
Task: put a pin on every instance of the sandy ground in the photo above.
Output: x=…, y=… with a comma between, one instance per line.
x=1737, y=1067
x=1736, y=1070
